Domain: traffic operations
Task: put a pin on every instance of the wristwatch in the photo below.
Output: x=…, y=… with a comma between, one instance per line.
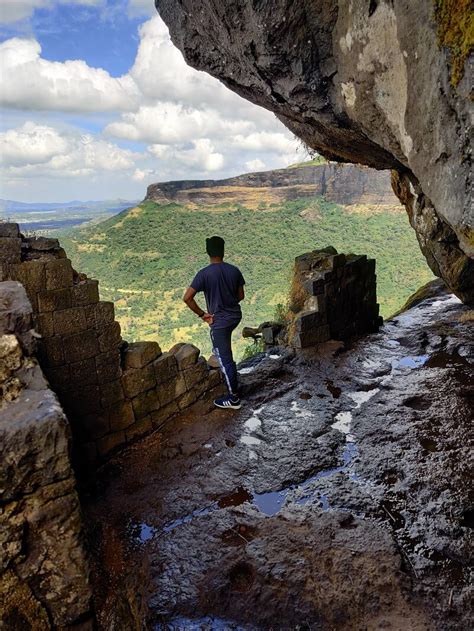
x=200, y=316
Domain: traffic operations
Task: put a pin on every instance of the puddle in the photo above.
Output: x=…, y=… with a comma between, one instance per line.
x=410, y=361
x=200, y=512
x=270, y=503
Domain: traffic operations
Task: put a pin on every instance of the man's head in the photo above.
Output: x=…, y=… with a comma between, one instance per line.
x=215, y=247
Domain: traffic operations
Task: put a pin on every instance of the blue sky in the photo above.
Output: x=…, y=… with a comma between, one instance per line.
x=98, y=103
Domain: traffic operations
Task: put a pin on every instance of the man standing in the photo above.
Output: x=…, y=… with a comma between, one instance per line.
x=223, y=287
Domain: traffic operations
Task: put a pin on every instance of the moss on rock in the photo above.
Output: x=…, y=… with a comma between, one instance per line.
x=455, y=20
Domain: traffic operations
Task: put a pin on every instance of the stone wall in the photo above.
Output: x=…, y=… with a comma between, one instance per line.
x=44, y=572
x=111, y=392
x=333, y=296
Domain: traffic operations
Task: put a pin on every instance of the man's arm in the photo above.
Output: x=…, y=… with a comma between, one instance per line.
x=240, y=294
x=192, y=304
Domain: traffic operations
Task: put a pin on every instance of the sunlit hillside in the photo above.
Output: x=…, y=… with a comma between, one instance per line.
x=146, y=256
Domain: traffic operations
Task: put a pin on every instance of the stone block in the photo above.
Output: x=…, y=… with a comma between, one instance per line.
x=316, y=303
x=196, y=373
x=213, y=362
x=166, y=367
x=80, y=346
x=308, y=320
x=186, y=355
x=59, y=377
x=59, y=274
x=215, y=378
x=86, y=292
x=81, y=401
x=11, y=230
x=139, y=428
x=310, y=338
x=139, y=354
x=110, y=443
x=83, y=372
x=111, y=392
x=138, y=380
x=161, y=416
x=95, y=425
x=10, y=250
x=172, y=389
x=120, y=415
x=109, y=337
x=145, y=403
x=314, y=286
x=54, y=300
x=41, y=244
x=108, y=366
x=44, y=324
x=31, y=274
x=189, y=397
x=51, y=351
x=89, y=313
x=104, y=314
x=69, y=321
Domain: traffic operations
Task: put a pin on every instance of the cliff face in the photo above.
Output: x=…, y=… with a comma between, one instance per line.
x=342, y=184
x=358, y=81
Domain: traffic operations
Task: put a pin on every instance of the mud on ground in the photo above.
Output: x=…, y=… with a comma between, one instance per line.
x=338, y=497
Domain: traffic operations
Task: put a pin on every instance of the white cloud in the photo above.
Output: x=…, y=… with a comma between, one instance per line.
x=30, y=144
x=265, y=141
x=38, y=150
x=15, y=10
x=255, y=165
x=201, y=155
x=30, y=82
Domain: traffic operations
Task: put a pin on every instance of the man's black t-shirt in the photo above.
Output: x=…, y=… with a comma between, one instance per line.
x=220, y=283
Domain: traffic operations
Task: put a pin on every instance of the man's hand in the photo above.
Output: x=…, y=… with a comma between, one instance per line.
x=208, y=317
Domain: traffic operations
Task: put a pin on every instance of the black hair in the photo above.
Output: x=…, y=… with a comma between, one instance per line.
x=215, y=246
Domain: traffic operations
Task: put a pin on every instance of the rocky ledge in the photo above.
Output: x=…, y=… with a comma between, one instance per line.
x=342, y=184
x=337, y=497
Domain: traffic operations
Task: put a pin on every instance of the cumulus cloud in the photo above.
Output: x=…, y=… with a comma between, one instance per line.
x=200, y=155
x=30, y=82
x=43, y=150
x=15, y=10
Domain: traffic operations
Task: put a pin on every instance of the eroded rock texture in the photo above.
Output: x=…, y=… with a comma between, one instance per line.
x=44, y=573
x=359, y=81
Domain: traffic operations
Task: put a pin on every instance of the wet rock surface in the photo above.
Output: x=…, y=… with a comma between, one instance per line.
x=338, y=497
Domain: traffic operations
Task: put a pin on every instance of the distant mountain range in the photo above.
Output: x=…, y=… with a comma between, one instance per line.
x=12, y=206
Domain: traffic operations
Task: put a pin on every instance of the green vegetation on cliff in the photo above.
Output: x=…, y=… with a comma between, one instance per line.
x=146, y=256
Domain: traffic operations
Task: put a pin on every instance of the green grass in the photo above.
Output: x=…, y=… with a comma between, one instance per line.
x=154, y=251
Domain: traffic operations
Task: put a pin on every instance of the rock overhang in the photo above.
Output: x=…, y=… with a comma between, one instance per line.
x=358, y=82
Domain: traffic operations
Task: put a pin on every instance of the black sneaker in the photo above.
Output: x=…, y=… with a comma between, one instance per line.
x=228, y=402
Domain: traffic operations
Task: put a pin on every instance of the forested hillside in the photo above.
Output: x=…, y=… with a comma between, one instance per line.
x=146, y=256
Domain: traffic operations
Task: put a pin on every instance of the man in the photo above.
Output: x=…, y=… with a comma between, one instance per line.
x=223, y=287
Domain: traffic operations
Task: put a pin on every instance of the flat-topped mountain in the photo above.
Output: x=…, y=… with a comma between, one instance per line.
x=342, y=184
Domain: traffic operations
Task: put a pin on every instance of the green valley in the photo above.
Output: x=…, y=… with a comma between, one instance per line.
x=146, y=256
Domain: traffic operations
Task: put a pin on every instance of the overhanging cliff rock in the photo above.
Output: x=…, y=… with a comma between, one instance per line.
x=358, y=81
